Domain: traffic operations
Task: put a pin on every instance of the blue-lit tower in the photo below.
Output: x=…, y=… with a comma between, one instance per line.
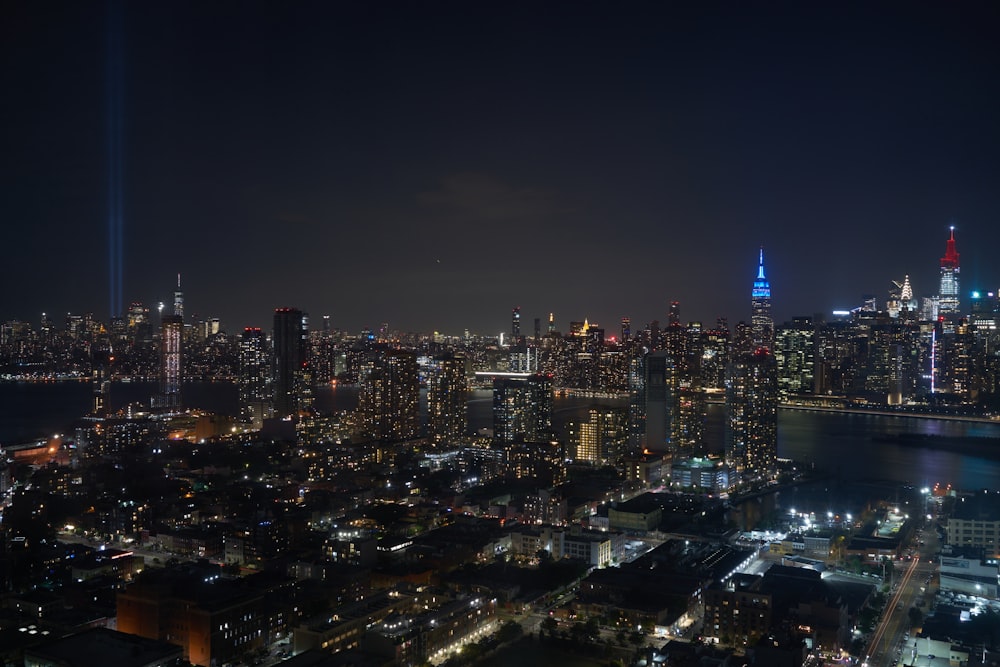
x=761, y=322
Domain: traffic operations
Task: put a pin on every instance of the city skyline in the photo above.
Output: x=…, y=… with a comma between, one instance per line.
x=889, y=300
x=435, y=167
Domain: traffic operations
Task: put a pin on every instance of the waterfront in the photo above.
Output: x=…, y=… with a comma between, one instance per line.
x=851, y=446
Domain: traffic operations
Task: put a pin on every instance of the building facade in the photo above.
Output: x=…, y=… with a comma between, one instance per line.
x=389, y=403
x=447, y=393
x=752, y=414
x=522, y=408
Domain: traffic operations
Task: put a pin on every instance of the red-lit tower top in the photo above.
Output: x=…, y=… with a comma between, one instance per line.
x=950, y=259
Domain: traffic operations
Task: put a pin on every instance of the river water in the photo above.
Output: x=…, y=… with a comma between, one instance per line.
x=842, y=443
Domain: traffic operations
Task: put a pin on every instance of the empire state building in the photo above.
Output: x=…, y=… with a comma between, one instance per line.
x=761, y=322
x=948, y=303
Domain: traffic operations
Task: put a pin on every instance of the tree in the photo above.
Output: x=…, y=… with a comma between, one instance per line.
x=579, y=632
x=593, y=628
x=637, y=639
x=510, y=631
x=549, y=625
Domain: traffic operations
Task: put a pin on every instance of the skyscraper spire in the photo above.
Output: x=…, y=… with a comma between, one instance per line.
x=906, y=291
x=761, y=323
x=178, y=299
x=950, y=258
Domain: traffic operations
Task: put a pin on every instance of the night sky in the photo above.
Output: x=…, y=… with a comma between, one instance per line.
x=432, y=165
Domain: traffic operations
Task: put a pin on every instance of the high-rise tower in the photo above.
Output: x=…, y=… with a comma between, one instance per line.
x=660, y=399
x=389, y=402
x=291, y=360
x=255, y=378
x=171, y=361
x=948, y=302
x=522, y=408
x=761, y=322
x=515, y=324
x=447, y=392
x=752, y=413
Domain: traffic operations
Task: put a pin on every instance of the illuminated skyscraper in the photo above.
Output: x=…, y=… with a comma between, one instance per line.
x=254, y=378
x=948, y=292
x=714, y=350
x=100, y=369
x=515, y=325
x=292, y=379
x=691, y=412
x=902, y=303
x=752, y=413
x=389, y=403
x=447, y=392
x=171, y=361
x=675, y=342
x=140, y=327
x=602, y=438
x=522, y=408
x=761, y=322
x=795, y=351
x=626, y=330
x=893, y=361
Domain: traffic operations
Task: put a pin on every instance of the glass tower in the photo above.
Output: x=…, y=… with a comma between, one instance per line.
x=948, y=303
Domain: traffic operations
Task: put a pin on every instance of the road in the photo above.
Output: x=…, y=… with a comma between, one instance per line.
x=895, y=621
x=913, y=583
x=151, y=556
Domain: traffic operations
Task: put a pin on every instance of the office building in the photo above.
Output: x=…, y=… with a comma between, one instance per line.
x=984, y=311
x=975, y=522
x=948, y=291
x=795, y=345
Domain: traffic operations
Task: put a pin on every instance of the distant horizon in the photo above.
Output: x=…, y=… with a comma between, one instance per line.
x=503, y=326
